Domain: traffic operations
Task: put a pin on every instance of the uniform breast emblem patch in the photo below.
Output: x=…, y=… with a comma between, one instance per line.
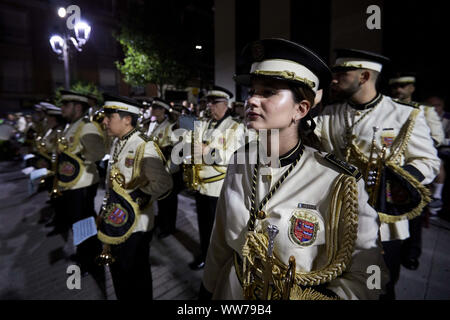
x=303, y=228
x=66, y=169
x=116, y=215
x=387, y=137
x=129, y=162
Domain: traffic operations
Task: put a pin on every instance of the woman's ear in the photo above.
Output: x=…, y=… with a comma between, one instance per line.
x=302, y=110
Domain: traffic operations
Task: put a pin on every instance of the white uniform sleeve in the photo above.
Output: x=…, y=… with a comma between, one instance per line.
x=159, y=180
x=322, y=132
x=366, y=273
x=435, y=124
x=219, y=252
x=93, y=143
x=420, y=152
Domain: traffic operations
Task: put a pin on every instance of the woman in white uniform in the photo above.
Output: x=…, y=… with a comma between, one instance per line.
x=300, y=228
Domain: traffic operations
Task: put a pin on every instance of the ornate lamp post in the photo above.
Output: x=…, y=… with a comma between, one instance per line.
x=61, y=44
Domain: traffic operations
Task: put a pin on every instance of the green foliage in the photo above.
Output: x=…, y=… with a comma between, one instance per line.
x=145, y=62
x=80, y=87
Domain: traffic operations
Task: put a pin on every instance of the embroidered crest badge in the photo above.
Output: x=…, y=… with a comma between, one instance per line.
x=129, y=162
x=66, y=169
x=303, y=228
x=387, y=137
x=115, y=215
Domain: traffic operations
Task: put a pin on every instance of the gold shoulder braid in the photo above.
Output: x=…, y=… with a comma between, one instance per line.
x=121, y=209
x=391, y=166
x=343, y=214
x=252, y=271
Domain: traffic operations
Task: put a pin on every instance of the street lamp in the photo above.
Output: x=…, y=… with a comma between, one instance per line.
x=62, y=12
x=60, y=44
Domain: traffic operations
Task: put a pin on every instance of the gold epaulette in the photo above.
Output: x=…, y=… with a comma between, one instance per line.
x=345, y=166
x=409, y=104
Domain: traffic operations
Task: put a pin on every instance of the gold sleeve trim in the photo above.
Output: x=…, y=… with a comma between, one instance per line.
x=424, y=192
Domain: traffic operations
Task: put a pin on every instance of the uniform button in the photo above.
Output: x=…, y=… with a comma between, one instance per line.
x=358, y=113
x=261, y=215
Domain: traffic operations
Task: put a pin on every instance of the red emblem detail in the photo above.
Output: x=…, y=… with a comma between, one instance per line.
x=388, y=141
x=304, y=230
x=67, y=169
x=129, y=162
x=117, y=216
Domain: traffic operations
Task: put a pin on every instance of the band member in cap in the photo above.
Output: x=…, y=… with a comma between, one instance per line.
x=390, y=143
x=47, y=143
x=160, y=131
x=403, y=85
x=299, y=227
x=80, y=145
x=215, y=139
x=214, y=142
x=136, y=177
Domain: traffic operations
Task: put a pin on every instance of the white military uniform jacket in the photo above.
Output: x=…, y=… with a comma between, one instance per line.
x=311, y=182
x=86, y=139
x=225, y=138
x=390, y=117
x=161, y=132
x=435, y=124
x=141, y=165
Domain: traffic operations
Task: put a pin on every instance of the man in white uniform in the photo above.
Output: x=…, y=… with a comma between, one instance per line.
x=388, y=141
x=136, y=177
x=215, y=140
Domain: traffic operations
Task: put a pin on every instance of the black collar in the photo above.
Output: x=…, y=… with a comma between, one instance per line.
x=215, y=123
x=372, y=103
x=129, y=134
x=292, y=154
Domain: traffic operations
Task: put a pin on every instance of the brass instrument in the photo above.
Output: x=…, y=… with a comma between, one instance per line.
x=55, y=192
x=380, y=163
x=289, y=279
x=374, y=169
x=105, y=258
x=98, y=116
x=191, y=170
